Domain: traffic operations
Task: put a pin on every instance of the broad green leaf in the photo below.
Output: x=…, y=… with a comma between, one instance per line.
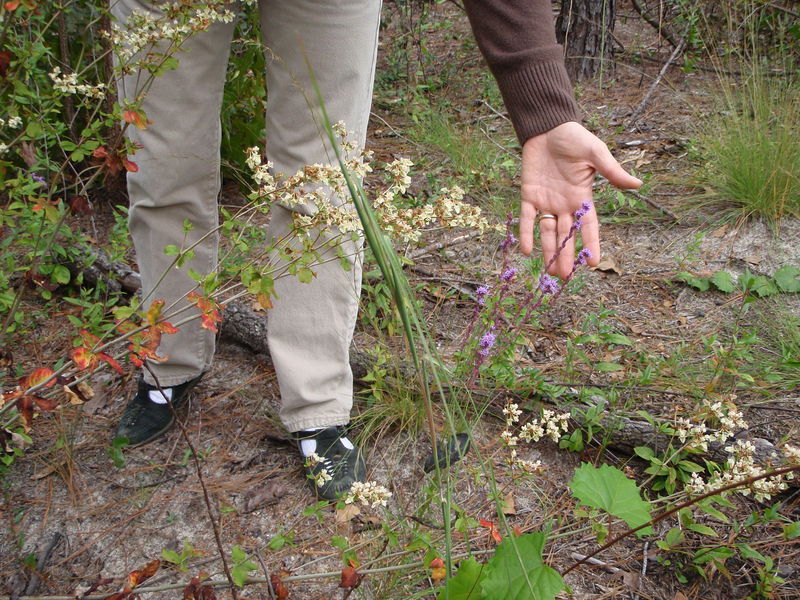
x=764, y=287
x=61, y=274
x=516, y=571
x=700, y=283
x=608, y=366
x=702, y=529
x=723, y=281
x=791, y=530
x=466, y=583
x=787, y=278
x=618, y=338
x=609, y=489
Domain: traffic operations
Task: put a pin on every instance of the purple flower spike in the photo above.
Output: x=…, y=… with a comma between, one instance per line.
x=481, y=293
x=508, y=274
x=581, y=212
x=509, y=241
x=548, y=284
x=38, y=178
x=583, y=256
x=486, y=343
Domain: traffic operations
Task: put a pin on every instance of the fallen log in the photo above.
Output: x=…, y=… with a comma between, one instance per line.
x=246, y=326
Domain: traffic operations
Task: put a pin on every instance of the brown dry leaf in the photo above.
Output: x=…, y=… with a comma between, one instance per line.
x=348, y=513
x=6, y=358
x=350, y=578
x=280, y=589
x=631, y=580
x=267, y=495
x=509, y=508
x=608, y=265
x=720, y=232
x=680, y=596
x=82, y=392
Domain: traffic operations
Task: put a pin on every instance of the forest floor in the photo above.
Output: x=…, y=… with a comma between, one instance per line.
x=438, y=106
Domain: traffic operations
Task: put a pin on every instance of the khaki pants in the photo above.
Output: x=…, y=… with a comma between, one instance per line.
x=311, y=325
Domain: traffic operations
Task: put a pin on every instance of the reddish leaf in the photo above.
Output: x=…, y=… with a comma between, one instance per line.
x=5, y=61
x=100, y=152
x=136, y=117
x=438, y=570
x=25, y=408
x=350, y=578
x=492, y=530
x=130, y=166
x=79, y=205
x=142, y=575
x=111, y=361
x=45, y=404
x=11, y=5
x=280, y=589
x=83, y=359
x=11, y=395
x=39, y=376
x=209, y=310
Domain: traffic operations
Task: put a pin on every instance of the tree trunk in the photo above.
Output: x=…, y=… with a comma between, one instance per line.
x=584, y=27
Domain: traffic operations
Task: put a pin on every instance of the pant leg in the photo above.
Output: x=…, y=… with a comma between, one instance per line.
x=311, y=325
x=178, y=180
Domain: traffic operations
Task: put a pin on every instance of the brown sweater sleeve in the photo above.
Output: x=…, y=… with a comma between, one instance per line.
x=517, y=38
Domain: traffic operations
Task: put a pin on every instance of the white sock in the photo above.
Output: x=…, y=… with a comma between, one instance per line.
x=159, y=398
x=309, y=446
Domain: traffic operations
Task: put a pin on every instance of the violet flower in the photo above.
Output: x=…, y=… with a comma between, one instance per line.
x=508, y=274
x=486, y=343
x=584, y=255
x=548, y=284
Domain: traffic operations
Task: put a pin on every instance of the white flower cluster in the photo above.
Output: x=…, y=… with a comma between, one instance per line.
x=144, y=30
x=313, y=186
x=14, y=122
x=741, y=466
x=550, y=424
x=68, y=84
x=322, y=476
x=3, y=148
x=696, y=435
x=368, y=493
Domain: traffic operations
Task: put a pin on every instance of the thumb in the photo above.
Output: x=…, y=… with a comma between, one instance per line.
x=608, y=167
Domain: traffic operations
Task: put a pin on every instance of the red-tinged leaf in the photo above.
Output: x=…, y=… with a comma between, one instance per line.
x=111, y=361
x=280, y=589
x=130, y=166
x=11, y=5
x=350, y=578
x=80, y=205
x=209, y=322
x=45, y=404
x=5, y=61
x=207, y=593
x=492, y=530
x=83, y=359
x=89, y=339
x=25, y=408
x=11, y=395
x=167, y=327
x=192, y=589
x=517, y=530
x=438, y=570
x=100, y=152
x=137, y=118
x=38, y=377
x=153, y=313
x=142, y=575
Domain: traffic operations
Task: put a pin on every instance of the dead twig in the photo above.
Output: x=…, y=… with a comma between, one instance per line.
x=637, y=112
x=199, y=469
x=658, y=25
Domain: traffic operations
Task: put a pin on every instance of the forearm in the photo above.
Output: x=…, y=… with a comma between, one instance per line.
x=517, y=38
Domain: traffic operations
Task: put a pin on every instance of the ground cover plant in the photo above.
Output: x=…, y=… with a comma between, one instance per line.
x=631, y=431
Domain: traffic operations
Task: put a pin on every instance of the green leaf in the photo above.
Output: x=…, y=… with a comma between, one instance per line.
x=465, y=584
x=60, y=274
x=723, y=281
x=791, y=530
x=644, y=452
x=305, y=275
x=516, y=571
x=172, y=250
x=242, y=566
x=609, y=489
x=787, y=278
x=608, y=366
x=619, y=339
x=701, y=529
x=700, y=283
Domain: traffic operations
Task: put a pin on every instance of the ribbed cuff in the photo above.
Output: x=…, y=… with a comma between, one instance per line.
x=538, y=98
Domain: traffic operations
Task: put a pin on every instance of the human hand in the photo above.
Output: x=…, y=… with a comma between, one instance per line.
x=558, y=168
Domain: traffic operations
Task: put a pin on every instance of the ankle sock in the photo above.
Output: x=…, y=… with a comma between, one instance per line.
x=309, y=446
x=157, y=397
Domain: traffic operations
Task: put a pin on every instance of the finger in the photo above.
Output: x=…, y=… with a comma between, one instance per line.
x=566, y=259
x=527, y=218
x=549, y=239
x=608, y=167
x=590, y=234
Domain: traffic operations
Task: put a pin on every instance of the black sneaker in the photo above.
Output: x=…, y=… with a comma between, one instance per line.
x=332, y=463
x=145, y=420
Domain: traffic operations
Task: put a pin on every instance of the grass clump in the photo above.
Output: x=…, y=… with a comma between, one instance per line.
x=751, y=151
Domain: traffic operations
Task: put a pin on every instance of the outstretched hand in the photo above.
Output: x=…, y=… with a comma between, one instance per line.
x=558, y=168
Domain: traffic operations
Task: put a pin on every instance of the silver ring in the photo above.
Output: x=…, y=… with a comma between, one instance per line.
x=544, y=215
